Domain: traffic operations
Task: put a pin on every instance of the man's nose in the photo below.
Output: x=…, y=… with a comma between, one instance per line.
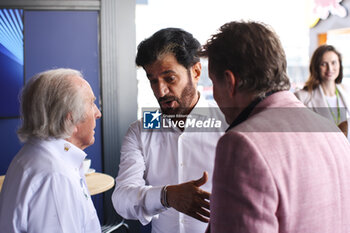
x=98, y=113
x=163, y=89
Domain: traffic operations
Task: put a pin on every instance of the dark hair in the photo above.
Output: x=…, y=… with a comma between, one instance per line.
x=315, y=77
x=180, y=43
x=252, y=52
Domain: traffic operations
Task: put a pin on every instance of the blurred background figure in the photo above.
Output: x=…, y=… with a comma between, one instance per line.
x=323, y=91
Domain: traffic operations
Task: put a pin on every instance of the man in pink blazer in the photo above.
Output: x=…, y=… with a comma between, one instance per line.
x=280, y=167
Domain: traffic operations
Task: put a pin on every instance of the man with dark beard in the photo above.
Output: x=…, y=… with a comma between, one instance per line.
x=165, y=174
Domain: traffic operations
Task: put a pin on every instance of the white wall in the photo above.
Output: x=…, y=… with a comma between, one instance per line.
x=289, y=18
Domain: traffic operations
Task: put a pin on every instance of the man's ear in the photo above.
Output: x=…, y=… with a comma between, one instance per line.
x=75, y=130
x=69, y=117
x=230, y=80
x=73, y=139
x=196, y=70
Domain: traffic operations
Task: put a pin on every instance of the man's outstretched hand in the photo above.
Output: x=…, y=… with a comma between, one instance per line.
x=189, y=199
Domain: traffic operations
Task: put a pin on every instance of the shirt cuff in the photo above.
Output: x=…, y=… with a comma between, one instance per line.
x=152, y=200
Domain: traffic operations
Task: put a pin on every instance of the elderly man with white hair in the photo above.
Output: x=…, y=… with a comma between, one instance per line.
x=45, y=188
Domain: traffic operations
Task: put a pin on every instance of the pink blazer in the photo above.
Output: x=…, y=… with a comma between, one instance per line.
x=284, y=169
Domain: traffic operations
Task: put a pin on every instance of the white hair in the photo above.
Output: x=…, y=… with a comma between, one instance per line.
x=51, y=105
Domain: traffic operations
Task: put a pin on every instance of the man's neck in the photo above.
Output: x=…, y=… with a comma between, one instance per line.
x=240, y=103
x=244, y=112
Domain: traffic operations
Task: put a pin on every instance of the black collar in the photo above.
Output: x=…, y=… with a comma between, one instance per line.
x=246, y=112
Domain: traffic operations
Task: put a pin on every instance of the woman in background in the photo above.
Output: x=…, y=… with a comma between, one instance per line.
x=323, y=92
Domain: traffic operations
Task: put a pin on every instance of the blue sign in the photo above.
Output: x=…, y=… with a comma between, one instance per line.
x=151, y=119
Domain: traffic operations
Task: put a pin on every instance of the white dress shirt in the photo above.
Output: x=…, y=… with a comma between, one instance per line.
x=151, y=159
x=45, y=191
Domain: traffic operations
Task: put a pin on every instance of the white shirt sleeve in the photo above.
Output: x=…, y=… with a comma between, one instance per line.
x=132, y=198
x=60, y=206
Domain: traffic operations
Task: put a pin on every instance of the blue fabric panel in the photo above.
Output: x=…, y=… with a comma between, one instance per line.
x=11, y=82
x=10, y=144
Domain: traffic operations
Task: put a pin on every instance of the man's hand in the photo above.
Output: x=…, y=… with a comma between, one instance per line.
x=189, y=199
